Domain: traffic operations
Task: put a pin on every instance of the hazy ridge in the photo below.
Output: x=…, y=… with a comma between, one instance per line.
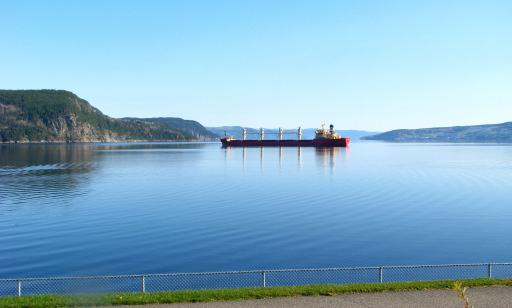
x=501, y=133
x=271, y=133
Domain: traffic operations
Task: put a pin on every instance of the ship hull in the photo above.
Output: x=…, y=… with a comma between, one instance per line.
x=328, y=143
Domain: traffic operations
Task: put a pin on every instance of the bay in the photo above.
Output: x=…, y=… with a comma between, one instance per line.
x=88, y=209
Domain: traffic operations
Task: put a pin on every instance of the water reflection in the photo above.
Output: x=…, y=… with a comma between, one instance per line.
x=299, y=157
x=280, y=157
x=52, y=173
x=227, y=153
x=151, y=146
x=244, y=156
x=262, y=151
x=16, y=156
x=44, y=172
x=192, y=208
x=327, y=157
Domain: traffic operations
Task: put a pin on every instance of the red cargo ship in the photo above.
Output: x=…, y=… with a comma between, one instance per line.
x=323, y=138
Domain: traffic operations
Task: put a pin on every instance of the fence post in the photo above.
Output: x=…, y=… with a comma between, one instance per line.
x=489, y=270
x=381, y=274
x=143, y=283
x=18, y=287
x=264, y=279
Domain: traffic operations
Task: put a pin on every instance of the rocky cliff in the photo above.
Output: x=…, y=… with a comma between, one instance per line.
x=61, y=116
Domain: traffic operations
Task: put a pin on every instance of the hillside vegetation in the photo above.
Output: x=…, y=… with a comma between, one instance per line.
x=61, y=116
x=501, y=133
x=192, y=127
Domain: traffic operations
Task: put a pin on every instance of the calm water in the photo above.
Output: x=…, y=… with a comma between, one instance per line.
x=133, y=208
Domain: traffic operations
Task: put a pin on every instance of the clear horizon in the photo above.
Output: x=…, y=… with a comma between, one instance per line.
x=365, y=65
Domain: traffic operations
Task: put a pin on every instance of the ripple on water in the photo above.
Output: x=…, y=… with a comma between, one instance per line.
x=140, y=208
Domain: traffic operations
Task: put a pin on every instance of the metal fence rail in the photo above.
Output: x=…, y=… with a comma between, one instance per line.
x=250, y=278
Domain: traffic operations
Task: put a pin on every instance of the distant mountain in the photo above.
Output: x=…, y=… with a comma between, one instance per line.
x=61, y=116
x=234, y=131
x=191, y=127
x=272, y=133
x=477, y=133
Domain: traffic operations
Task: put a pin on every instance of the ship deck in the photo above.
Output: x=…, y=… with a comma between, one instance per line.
x=342, y=142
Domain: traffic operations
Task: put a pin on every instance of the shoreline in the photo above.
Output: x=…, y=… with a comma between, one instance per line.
x=104, y=141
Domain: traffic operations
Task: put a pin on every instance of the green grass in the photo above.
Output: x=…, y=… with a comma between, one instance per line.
x=233, y=294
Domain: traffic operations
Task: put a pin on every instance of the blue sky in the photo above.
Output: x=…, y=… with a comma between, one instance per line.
x=373, y=65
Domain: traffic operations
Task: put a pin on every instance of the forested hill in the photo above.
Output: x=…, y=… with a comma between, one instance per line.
x=501, y=133
x=192, y=127
x=61, y=116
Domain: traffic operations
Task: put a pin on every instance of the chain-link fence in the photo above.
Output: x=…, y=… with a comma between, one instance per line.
x=252, y=278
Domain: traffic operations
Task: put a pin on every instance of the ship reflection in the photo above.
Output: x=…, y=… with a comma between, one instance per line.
x=228, y=153
x=326, y=158
x=299, y=157
x=244, y=157
x=262, y=152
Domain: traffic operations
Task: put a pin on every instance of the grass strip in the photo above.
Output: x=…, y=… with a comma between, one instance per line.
x=189, y=296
